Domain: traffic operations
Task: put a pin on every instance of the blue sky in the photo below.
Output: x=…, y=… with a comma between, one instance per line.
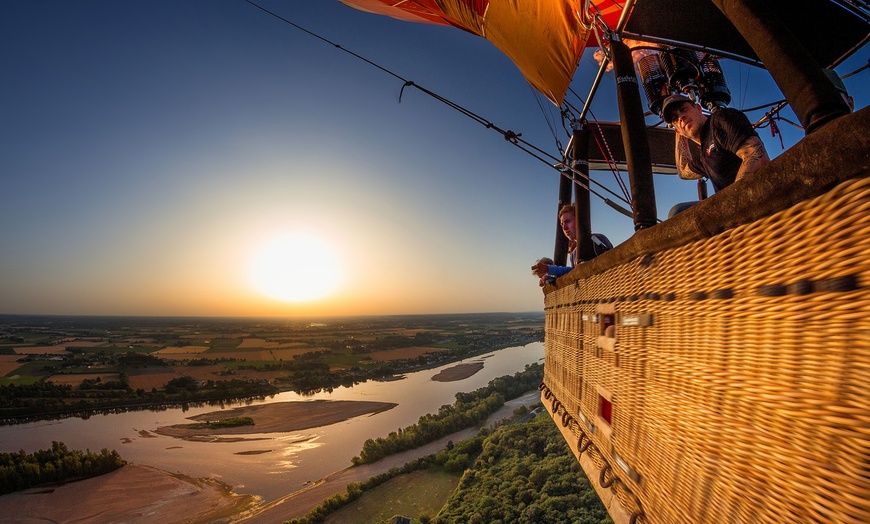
x=149, y=150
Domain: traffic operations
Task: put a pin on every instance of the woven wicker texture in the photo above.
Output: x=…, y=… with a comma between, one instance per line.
x=747, y=399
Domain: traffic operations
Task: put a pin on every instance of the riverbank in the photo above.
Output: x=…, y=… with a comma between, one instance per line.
x=258, y=469
x=295, y=416
x=134, y=493
x=298, y=504
x=146, y=495
x=276, y=417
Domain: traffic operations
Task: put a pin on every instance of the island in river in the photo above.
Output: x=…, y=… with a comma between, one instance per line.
x=276, y=417
x=141, y=493
x=458, y=372
x=106, y=364
x=165, y=497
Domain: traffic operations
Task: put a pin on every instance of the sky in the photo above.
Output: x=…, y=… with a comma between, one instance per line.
x=153, y=153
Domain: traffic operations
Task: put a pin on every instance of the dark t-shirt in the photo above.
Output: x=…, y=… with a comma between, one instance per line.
x=721, y=136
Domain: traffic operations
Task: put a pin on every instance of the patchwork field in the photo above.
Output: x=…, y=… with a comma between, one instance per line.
x=218, y=372
x=148, y=378
x=185, y=350
x=9, y=363
x=83, y=343
x=400, y=353
x=77, y=349
x=41, y=350
x=151, y=378
x=75, y=380
x=267, y=355
x=268, y=344
x=215, y=335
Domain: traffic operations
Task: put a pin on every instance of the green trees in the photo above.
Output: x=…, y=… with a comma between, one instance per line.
x=525, y=474
x=51, y=466
x=468, y=410
x=519, y=473
x=20, y=403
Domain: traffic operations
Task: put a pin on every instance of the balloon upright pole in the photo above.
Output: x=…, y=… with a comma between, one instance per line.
x=808, y=91
x=634, y=136
x=580, y=167
x=560, y=252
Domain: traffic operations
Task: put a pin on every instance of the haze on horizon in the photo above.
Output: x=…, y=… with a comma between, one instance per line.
x=150, y=152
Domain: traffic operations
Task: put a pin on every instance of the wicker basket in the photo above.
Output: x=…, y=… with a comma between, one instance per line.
x=734, y=385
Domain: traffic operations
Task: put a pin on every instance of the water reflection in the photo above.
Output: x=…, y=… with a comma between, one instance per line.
x=289, y=455
x=279, y=463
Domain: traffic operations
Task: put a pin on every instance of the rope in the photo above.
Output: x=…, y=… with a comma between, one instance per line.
x=548, y=117
x=855, y=72
x=509, y=136
x=608, y=154
x=625, y=198
x=763, y=106
x=330, y=42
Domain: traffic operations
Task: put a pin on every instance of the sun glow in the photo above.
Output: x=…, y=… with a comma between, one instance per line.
x=296, y=268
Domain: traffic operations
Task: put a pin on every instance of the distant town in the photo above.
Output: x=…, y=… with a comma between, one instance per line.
x=57, y=366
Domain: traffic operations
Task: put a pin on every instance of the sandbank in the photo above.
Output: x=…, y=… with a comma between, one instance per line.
x=134, y=493
x=277, y=417
x=458, y=372
x=146, y=495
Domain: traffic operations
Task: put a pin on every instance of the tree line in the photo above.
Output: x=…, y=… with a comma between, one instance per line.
x=454, y=459
x=305, y=374
x=468, y=410
x=53, y=466
x=525, y=474
x=45, y=400
x=517, y=473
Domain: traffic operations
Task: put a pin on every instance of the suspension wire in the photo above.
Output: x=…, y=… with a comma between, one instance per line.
x=576, y=176
x=605, y=152
x=855, y=72
x=778, y=106
x=547, y=118
x=567, y=113
x=787, y=121
x=763, y=106
x=569, y=104
x=514, y=138
x=510, y=136
x=315, y=35
x=604, y=147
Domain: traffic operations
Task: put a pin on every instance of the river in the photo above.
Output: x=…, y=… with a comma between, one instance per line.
x=274, y=464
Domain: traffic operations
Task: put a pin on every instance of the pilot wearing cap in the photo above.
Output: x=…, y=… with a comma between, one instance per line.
x=730, y=147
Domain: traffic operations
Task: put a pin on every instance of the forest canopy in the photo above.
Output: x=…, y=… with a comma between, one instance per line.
x=21, y=470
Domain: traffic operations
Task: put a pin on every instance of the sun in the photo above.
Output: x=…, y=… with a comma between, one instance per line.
x=296, y=268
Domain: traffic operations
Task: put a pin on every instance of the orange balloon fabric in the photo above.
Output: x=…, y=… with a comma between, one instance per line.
x=544, y=38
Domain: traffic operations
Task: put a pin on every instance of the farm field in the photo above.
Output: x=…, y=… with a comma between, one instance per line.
x=415, y=493
x=116, y=361
x=8, y=364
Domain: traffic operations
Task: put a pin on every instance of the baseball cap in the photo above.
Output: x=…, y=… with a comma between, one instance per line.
x=836, y=80
x=671, y=102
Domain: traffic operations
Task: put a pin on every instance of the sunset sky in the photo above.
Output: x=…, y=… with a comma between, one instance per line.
x=150, y=152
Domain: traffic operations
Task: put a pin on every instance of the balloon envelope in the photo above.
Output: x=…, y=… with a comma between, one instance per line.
x=546, y=38
x=542, y=37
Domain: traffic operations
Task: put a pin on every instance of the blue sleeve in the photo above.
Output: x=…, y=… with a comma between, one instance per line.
x=558, y=271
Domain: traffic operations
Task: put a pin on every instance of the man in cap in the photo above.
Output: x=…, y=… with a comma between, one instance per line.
x=730, y=147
